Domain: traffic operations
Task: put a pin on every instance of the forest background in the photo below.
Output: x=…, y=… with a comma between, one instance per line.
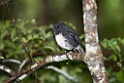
x=34, y=17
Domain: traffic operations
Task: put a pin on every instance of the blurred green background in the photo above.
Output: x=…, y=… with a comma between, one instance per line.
x=110, y=14
x=35, y=16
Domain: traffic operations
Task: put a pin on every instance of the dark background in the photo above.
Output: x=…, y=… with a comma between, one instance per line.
x=110, y=14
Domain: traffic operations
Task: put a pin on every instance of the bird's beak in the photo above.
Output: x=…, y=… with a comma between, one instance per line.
x=50, y=29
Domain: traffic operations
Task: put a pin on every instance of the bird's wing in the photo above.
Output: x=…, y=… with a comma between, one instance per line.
x=76, y=38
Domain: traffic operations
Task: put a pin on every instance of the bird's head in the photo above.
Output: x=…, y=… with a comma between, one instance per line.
x=59, y=27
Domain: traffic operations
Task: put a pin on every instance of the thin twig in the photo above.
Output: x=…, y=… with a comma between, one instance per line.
x=20, y=37
x=3, y=2
x=12, y=61
x=8, y=70
x=63, y=73
x=22, y=64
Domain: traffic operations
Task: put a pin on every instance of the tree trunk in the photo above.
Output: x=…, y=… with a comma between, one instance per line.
x=94, y=56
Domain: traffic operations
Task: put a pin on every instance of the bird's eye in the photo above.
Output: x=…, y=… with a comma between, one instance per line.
x=57, y=26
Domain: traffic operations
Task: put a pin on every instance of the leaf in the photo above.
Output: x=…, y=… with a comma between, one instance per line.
x=104, y=43
x=114, y=57
x=15, y=39
x=33, y=21
x=1, y=57
x=119, y=64
x=122, y=41
x=121, y=76
x=82, y=36
x=24, y=40
x=50, y=48
x=113, y=44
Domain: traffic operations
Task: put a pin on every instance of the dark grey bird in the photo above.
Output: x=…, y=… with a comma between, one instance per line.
x=67, y=38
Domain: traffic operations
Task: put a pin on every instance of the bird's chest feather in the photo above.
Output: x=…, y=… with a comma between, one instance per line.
x=63, y=42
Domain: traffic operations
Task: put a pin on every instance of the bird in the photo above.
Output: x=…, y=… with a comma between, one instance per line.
x=67, y=38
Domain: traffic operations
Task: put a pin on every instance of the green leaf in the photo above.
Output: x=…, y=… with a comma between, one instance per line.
x=24, y=40
x=50, y=48
x=15, y=39
x=104, y=43
x=1, y=57
x=119, y=64
x=122, y=41
x=121, y=76
x=114, y=57
x=33, y=21
x=82, y=36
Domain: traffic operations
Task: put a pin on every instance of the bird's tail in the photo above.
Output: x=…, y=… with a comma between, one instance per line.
x=79, y=49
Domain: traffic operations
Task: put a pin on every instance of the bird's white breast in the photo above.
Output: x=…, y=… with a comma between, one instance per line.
x=62, y=42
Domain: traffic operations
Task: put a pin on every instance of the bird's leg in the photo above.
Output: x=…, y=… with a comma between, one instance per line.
x=66, y=51
x=75, y=50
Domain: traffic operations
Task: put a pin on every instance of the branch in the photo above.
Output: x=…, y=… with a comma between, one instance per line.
x=8, y=70
x=63, y=73
x=41, y=63
x=22, y=64
x=11, y=61
x=94, y=56
x=3, y=2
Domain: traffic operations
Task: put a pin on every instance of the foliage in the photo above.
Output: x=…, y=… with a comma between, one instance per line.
x=42, y=44
x=115, y=45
